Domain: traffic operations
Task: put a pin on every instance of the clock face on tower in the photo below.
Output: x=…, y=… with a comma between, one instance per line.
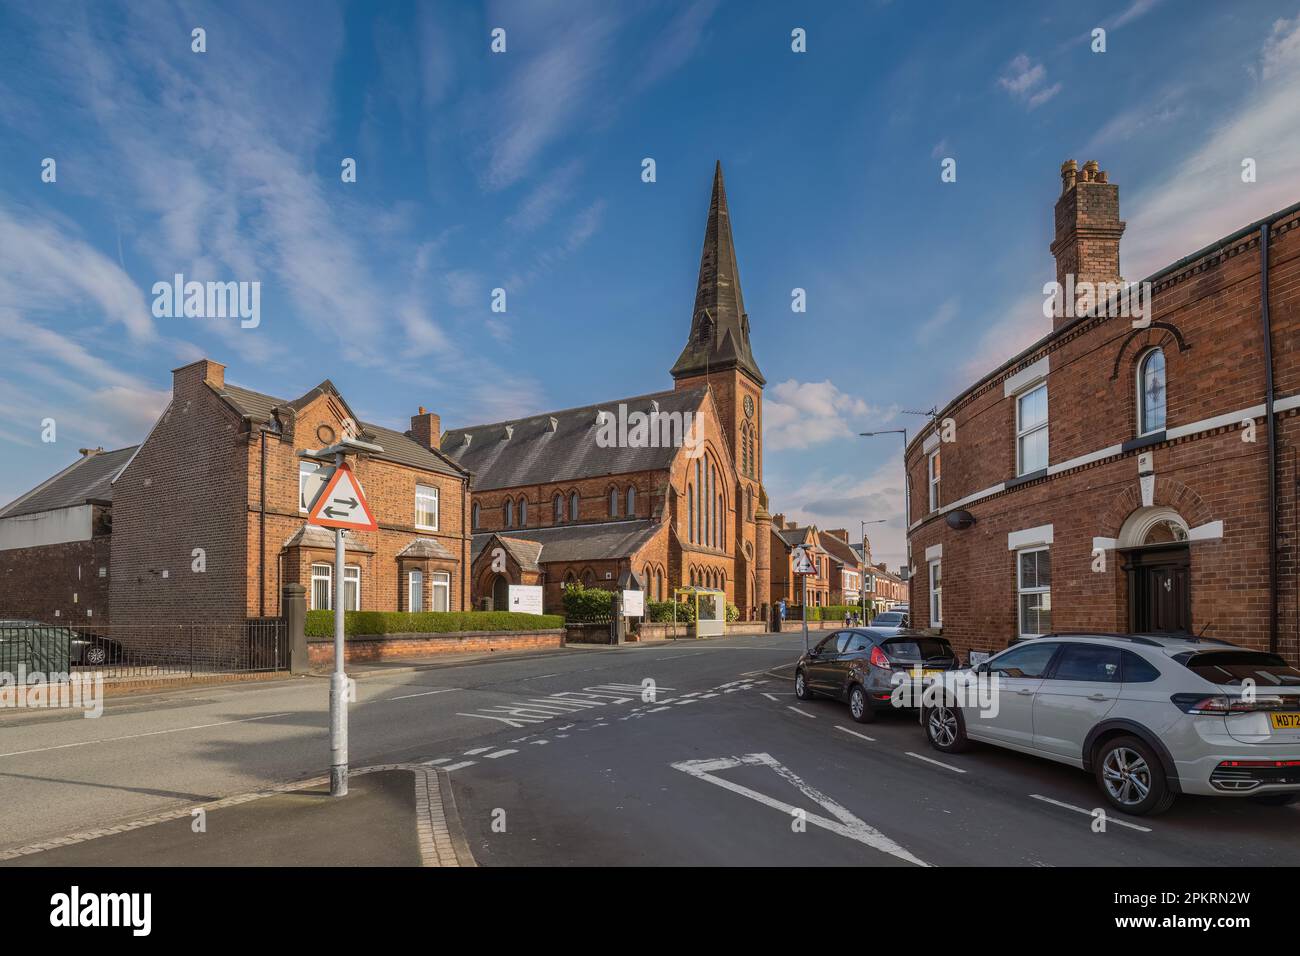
x=749, y=406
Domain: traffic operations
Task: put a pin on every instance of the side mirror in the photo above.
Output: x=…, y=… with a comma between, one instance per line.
x=983, y=668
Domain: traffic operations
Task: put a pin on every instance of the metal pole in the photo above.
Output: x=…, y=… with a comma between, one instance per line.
x=338, y=681
x=804, y=577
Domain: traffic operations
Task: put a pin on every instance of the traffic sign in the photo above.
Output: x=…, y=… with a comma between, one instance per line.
x=342, y=505
x=803, y=563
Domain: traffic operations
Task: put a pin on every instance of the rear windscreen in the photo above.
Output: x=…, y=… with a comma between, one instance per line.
x=918, y=648
x=884, y=619
x=1232, y=667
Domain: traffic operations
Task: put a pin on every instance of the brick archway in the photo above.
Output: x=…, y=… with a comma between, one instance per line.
x=1169, y=492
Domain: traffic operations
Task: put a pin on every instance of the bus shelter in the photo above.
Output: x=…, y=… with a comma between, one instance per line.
x=710, y=609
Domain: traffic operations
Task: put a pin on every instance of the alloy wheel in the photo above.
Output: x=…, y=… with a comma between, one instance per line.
x=1127, y=776
x=943, y=726
x=857, y=701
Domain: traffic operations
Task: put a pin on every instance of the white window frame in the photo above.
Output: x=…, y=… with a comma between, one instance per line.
x=936, y=593
x=328, y=578
x=414, y=593
x=441, y=581
x=308, y=470
x=1021, y=435
x=351, y=575
x=426, y=492
x=936, y=476
x=1142, y=393
x=1022, y=590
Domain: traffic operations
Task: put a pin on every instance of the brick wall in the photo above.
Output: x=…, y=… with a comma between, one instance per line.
x=57, y=582
x=320, y=653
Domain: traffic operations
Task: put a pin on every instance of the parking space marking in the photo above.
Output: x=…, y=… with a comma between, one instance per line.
x=427, y=693
x=855, y=733
x=803, y=712
x=1089, y=813
x=772, y=697
x=937, y=763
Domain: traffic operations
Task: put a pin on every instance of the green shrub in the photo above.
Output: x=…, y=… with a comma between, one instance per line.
x=374, y=623
x=587, y=604
x=661, y=612
x=835, y=612
x=733, y=613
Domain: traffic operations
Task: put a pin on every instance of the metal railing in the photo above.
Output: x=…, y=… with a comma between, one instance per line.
x=135, y=651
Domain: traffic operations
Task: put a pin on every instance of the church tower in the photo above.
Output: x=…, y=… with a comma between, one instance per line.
x=718, y=354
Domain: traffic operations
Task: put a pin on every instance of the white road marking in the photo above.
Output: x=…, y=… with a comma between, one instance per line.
x=707, y=696
x=476, y=751
x=460, y=766
x=845, y=824
x=541, y=676
x=937, y=763
x=686, y=701
x=1090, y=813
x=434, y=763
x=803, y=712
x=655, y=710
x=541, y=742
x=500, y=753
x=772, y=697
x=427, y=693
x=151, y=733
x=855, y=733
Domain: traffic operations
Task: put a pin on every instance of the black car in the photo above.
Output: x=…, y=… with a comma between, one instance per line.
x=859, y=665
x=91, y=650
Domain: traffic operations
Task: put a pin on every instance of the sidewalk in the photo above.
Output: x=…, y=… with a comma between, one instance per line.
x=393, y=815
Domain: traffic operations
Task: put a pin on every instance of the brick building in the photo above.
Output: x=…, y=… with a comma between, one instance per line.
x=583, y=496
x=54, y=543
x=218, y=485
x=1122, y=473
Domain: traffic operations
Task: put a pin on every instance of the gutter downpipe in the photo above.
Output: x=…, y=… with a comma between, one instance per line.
x=261, y=537
x=1272, y=438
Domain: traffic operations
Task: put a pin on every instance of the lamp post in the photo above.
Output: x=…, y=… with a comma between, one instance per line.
x=862, y=587
x=907, y=496
x=337, y=454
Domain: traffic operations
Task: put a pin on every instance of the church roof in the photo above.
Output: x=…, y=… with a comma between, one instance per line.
x=561, y=446
x=590, y=541
x=719, y=325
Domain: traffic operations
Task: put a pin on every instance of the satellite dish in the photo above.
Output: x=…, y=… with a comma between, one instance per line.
x=960, y=520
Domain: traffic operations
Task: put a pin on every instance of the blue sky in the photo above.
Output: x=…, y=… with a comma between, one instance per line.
x=522, y=171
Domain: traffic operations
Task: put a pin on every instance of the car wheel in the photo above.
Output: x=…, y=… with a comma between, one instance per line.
x=859, y=706
x=96, y=655
x=801, y=686
x=1131, y=777
x=945, y=728
x=1273, y=799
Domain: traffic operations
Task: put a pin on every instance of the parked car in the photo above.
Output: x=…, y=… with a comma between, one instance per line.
x=859, y=665
x=52, y=647
x=1150, y=716
x=895, y=620
x=92, y=650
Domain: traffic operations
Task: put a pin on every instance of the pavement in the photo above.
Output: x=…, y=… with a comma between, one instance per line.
x=676, y=754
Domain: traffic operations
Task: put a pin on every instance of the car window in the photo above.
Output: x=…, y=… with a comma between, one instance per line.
x=827, y=645
x=1088, y=662
x=1232, y=667
x=1137, y=670
x=859, y=642
x=842, y=640
x=888, y=619
x=1024, y=660
x=918, y=648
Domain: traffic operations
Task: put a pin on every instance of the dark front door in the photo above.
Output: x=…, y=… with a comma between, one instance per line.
x=1159, y=586
x=501, y=593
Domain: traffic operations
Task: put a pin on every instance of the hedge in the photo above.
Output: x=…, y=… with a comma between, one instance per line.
x=587, y=604
x=661, y=612
x=368, y=623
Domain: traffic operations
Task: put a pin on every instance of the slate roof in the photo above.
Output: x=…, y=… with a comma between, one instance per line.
x=426, y=548
x=838, y=549
x=601, y=541
x=526, y=553
x=792, y=536
x=561, y=446
x=398, y=446
x=85, y=480
x=314, y=536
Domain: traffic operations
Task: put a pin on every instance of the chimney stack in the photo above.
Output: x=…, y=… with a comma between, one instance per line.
x=778, y=521
x=426, y=428
x=187, y=379
x=1088, y=228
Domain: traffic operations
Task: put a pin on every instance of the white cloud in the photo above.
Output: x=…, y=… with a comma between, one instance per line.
x=800, y=414
x=1024, y=80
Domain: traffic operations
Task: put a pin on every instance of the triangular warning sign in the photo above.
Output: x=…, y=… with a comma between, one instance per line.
x=342, y=505
x=803, y=560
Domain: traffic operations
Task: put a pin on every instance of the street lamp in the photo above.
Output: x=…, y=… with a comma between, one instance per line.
x=862, y=585
x=336, y=454
x=907, y=497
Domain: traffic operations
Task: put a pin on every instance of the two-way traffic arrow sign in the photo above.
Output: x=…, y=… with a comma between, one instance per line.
x=342, y=505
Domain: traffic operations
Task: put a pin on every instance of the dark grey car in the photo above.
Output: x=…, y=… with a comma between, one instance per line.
x=859, y=664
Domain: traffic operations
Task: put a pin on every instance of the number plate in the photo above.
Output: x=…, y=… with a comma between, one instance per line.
x=1285, y=721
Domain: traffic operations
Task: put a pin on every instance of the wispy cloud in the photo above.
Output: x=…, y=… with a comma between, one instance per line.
x=801, y=414
x=1026, y=81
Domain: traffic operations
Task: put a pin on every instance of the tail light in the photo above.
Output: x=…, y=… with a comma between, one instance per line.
x=1223, y=705
x=878, y=659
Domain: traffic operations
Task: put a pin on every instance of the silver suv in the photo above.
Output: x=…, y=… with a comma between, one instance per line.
x=1150, y=716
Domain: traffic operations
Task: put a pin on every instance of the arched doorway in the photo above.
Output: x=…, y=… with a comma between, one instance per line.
x=501, y=593
x=1158, y=563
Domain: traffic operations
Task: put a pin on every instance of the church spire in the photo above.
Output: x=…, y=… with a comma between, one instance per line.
x=719, y=326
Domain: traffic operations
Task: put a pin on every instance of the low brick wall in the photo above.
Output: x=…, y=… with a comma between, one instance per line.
x=389, y=647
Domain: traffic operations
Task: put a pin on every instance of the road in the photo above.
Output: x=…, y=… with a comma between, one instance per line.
x=573, y=758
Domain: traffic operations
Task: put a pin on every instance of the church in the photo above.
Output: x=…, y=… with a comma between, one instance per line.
x=566, y=505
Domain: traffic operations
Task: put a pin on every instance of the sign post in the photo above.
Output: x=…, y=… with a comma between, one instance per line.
x=340, y=505
x=803, y=566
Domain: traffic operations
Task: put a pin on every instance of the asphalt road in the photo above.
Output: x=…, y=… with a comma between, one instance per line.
x=565, y=759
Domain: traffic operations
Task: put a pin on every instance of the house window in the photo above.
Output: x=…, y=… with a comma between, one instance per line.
x=415, y=591
x=322, y=587
x=936, y=593
x=573, y=506
x=1031, y=430
x=508, y=512
x=557, y=505
x=311, y=479
x=1034, y=583
x=1151, y=392
x=631, y=501
x=690, y=513
x=441, y=591
x=613, y=502
x=474, y=516
x=934, y=479
x=352, y=588
x=523, y=512
x=426, y=507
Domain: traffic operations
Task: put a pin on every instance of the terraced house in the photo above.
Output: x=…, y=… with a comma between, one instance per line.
x=1125, y=473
